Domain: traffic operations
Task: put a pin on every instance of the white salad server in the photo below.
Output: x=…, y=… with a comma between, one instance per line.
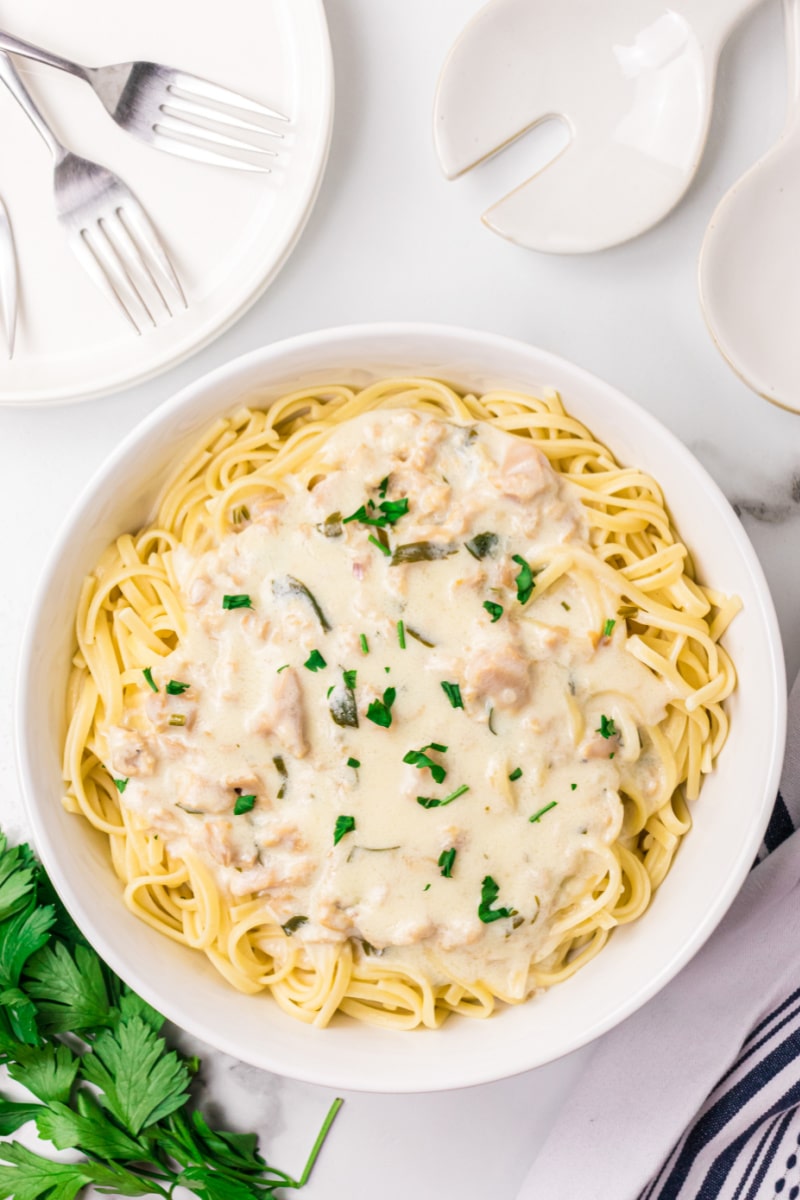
x=632, y=79
x=749, y=274
x=8, y=281
x=175, y=111
x=106, y=226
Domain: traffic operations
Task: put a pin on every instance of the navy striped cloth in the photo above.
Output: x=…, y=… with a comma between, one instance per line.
x=702, y=1085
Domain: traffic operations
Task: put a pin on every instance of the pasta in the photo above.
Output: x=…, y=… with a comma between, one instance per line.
x=605, y=590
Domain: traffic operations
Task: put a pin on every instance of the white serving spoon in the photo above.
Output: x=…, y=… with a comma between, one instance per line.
x=633, y=80
x=749, y=272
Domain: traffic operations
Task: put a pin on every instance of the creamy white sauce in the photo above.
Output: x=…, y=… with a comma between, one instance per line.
x=535, y=685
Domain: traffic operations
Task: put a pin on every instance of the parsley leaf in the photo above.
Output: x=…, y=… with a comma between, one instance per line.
x=315, y=661
x=151, y=683
x=70, y=988
x=244, y=804
x=89, y=1130
x=418, y=758
x=608, y=628
x=524, y=581
x=453, y=693
x=175, y=688
x=343, y=825
x=48, y=1071
x=489, y=893
x=35, y=1178
x=16, y=879
x=433, y=802
x=242, y=600
x=495, y=611
x=607, y=728
x=141, y=1082
x=446, y=860
x=516, y=774
x=380, y=711
x=20, y=937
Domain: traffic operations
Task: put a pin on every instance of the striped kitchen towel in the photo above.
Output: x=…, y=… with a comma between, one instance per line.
x=697, y=1095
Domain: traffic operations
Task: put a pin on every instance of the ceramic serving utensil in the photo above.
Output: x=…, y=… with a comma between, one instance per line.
x=633, y=80
x=749, y=271
x=8, y=282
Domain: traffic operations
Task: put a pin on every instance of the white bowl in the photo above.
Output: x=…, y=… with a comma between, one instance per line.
x=730, y=816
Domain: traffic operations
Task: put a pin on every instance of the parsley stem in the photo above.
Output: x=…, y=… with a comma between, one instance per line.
x=318, y=1144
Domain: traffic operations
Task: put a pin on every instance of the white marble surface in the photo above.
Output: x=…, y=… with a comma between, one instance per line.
x=391, y=239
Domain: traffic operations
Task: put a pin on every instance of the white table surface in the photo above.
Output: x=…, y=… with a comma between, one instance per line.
x=390, y=239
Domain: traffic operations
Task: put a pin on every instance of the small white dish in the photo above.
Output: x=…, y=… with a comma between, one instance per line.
x=729, y=818
x=632, y=79
x=749, y=268
x=228, y=232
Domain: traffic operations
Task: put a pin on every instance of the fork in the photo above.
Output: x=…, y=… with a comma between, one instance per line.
x=8, y=281
x=173, y=110
x=105, y=224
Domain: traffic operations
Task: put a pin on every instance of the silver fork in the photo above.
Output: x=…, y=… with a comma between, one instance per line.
x=105, y=225
x=175, y=111
x=8, y=281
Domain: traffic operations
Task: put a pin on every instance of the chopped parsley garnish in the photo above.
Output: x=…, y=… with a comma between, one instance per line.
x=413, y=552
x=432, y=802
x=383, y=549
x=389, y=513
x=315, y=661
x=446, y=860
x=380, y=711
x=364, y=644
x=174, y=688
x=573, y=786
x=349, y=678
x=243, y=805
x=343, y=825
x=383, y=487
x=283, y=668
x=148, y=674
x=516, y=774
x=242, y=513
x=289, y=586
x=489, y=720
x=453, y=693
x=354, y=763
x=280, y=767
x=427, y=887
x=481, y=545
x=120, y=785
x=418, y=758
x=293, y=924
x=393, y=510
x=538, y=815
x=489, y=893
x=238, y=601
x=418, y=637
x=401, y=635
x=565, y=606
x=495, y=611
x=177, y=719
x=524, y=581
x=608, y=628
x=607, y=728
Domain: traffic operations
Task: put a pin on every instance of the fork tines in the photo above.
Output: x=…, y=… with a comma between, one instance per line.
x=202, y=120
x=124, y=255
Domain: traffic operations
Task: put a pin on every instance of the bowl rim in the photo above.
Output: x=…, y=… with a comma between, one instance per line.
x=312, y=1071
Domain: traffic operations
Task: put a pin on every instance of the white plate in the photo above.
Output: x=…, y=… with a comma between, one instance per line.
x=228, y=231
x=729, y=818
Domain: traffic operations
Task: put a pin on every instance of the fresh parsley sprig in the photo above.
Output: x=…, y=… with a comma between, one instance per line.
x=102, y=1078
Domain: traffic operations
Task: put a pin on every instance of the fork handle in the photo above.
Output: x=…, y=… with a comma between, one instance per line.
x=10, y=77
x=14, y=45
